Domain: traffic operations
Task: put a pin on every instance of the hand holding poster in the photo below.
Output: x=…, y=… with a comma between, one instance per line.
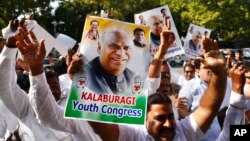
x=112, y=87
x=154, y=19
x=192, y=43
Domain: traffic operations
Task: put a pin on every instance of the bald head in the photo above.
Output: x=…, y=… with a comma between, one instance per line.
x=156, y=24
x=115, y=51
x=196, y=37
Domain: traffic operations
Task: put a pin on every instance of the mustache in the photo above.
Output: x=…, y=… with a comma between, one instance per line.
x=166, y=129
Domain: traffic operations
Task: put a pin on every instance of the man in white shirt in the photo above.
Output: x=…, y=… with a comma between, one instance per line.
x=192, y=93
x=18, y=102
x=189, y=73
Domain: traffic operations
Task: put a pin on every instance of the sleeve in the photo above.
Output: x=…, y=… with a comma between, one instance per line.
x=13, y=97
x=47, y=110
x=153, y=85
x=190, y=129
x=3, y=127
x=248, y=104
x=186, y=91
x=234, y=115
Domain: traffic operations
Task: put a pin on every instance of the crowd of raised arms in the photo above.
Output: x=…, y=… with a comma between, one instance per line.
x=211, y=94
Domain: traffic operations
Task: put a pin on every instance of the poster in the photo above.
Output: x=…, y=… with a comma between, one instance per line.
x=154, y=19
x=192, y=44
x=113, y=87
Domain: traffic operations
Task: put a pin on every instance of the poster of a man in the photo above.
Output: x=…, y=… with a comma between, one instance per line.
x=139, y=37
x=93, y=32
x=155, y=18
x=142, y=20
x=192, y=43
x=108, y=71
x=110, y=75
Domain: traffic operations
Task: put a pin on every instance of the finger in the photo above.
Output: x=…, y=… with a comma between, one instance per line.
x=20, y=43
x=32, y=35
x=42, y=50
x=24, y=36
x=211, y=44
x=241, y=67
x=204, y=45
x=22, y=48
x=243, y=71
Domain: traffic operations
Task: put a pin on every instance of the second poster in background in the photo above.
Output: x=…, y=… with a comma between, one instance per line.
x=154, y=19
x=192, y=43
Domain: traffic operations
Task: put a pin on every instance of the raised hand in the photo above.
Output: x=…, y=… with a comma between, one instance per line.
x=213, y=59
x=238, y=79
x=167, y=36
x=208, y=44
x=13, y=27
x=33, y=52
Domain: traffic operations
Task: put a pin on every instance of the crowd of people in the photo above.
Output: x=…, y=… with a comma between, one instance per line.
x=33, y=98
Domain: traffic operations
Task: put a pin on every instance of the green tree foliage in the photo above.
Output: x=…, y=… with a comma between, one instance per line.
x=228, y=18
x=73, y=14
x=11, y=9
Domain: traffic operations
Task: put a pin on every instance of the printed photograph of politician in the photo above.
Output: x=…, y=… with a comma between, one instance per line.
x=112, y=69
x=113, y=84
x=192, y=44
x=154, y=19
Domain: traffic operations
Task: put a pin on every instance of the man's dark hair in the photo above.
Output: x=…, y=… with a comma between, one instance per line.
x=239, y=51
x=197, y=63
x=60, y=67
x=158, y=98
x=163, y=10
x=138, y=30
x=94, y=21
x=23, y=82
x=189, y=65
x=50, y=74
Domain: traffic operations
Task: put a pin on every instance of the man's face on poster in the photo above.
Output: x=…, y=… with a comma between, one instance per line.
x=115, y=52
x=156, y=24
x=197, y=37
x=139, y=36
x=94, y=25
